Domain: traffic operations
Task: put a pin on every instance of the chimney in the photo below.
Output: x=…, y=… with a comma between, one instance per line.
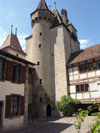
x=64, y=16
x=16, y=31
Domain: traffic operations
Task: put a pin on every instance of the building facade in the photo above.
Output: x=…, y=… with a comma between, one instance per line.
x=53, y=39
x=84, y=74
x=14, y=82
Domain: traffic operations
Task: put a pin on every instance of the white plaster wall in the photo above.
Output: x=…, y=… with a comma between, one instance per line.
x=79, y=96
x=94, y=94
x=72, y=89
x=71, y=78
x=91, y=74
x=73, y=96
x=86, y=95
x=7, y=88
x=82, y=76
x=75, y=77
x=93, y=86
x=97, y=72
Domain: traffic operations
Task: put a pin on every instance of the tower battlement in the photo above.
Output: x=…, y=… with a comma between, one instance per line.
x=42, y=15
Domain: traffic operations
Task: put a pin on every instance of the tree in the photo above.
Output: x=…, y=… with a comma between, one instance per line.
x=66, y=105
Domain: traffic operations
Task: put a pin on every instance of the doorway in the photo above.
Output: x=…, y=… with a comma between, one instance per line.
x=1, y=114
x=48, y=110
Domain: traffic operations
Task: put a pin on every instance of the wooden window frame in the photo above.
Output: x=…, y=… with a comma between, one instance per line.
x=80, y=88
x=97, y=62
x=3, y=69
x=13, y=106
x=19, y=73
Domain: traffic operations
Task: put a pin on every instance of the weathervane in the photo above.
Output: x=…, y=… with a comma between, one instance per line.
x=16, y=31
x=49, y=7
x=55, y=4
x=11, y=28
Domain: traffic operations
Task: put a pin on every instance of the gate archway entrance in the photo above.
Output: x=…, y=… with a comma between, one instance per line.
x=48, y=110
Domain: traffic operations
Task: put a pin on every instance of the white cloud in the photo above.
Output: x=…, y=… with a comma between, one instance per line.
x=3, y=35
x=84, y=43
x=21, y=37
x=10, y=14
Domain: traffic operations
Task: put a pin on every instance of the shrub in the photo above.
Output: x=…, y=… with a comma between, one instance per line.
x=95, y=127
x=66, y=105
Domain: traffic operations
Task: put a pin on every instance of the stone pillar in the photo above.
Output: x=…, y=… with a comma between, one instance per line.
x=26, y=98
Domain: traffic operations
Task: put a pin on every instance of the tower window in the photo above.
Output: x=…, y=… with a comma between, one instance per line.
x=38, y=63
x=40, y=81
x=41, y=34
x=40, y=100
x=40, y=45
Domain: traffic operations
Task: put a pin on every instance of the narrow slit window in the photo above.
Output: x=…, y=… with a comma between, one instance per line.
x=40, y=45
x=38, y=63
x=41, y=34
x=40, y=81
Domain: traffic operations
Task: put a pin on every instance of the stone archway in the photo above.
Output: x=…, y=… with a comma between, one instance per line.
x=48, y=110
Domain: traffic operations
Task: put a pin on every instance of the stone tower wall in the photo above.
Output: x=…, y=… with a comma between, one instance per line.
x=43, y=54
x=59, y=81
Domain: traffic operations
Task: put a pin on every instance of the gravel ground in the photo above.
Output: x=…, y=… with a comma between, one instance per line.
x=55, y=125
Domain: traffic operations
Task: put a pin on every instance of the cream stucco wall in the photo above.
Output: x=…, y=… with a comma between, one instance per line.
x=13, y=52
x=8, y=88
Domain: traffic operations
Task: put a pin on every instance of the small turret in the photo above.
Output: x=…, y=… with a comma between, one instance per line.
x=64, y=16
x=42, y=13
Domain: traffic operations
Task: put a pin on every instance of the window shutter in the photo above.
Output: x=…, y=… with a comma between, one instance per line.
x=7, y=106
x=22, y=105
x=9, y=70
x=23, y=74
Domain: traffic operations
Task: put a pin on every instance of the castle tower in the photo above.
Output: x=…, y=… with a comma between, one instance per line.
x=53, y=39
x=38, y=45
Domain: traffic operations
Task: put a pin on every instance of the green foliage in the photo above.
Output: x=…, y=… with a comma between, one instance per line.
x=66, y=104
x=37, y=106
x=94, y=127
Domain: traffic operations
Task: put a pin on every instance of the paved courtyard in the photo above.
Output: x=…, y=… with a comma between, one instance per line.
x=54, y=125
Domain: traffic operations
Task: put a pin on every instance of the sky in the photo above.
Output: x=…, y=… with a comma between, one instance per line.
x=83, y=14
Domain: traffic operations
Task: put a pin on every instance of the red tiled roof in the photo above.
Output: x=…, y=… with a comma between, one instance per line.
x=85, y=54
x=13, y=42
x=42, y=5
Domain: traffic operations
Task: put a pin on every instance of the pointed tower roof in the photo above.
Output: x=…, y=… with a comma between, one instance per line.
x=42, y=5
x=12, y=42
x=58, y=17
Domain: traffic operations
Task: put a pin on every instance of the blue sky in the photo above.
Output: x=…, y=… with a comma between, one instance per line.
x=83, y=14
